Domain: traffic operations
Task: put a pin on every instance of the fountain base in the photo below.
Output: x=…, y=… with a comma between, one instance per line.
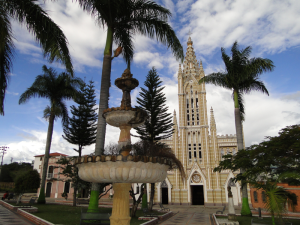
x=120, y=211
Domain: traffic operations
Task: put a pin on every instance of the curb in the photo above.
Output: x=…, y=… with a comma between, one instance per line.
x=25, y=213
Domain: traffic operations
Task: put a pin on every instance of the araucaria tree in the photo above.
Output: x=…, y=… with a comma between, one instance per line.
x=241, y=77
x=56, y=88
x=50, y=37
x=123, y=19
x=81, y=129
x=159, y=123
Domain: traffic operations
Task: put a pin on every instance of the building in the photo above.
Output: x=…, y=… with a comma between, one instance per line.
x=258, y=196
x=56, y=183
x=196, y=144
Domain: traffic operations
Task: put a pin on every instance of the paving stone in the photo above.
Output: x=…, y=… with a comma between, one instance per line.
x=9, y=218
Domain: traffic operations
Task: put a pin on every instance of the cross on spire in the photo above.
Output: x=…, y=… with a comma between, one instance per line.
x=190, y=32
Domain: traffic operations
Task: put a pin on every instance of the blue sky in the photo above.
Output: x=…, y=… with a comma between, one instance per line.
x=271, y=27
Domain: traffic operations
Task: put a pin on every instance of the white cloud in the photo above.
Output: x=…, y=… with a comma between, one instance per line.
x=272, y=26
x=11, y=93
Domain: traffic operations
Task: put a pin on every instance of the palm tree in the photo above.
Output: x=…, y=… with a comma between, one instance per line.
x=241, y=77
x=123, y=19
x=56, y=88
x=50, y=37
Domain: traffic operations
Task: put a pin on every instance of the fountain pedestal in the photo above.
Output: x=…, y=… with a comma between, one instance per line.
x=120, y=211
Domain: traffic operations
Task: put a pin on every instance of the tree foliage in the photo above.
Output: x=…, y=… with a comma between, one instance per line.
x=27, y=181
x=49, y=35
x=159, y=124
x=81, y=129
x=9, y=172
x=272, y=157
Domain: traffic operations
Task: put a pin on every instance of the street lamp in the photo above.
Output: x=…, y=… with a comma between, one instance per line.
x=3, y=149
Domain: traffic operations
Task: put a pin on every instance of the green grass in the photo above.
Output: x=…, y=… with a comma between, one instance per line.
x=245, y=220
x=65, y=214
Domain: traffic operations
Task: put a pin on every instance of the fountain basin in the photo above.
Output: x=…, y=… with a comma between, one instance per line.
x=145, y=170
x=118, y=117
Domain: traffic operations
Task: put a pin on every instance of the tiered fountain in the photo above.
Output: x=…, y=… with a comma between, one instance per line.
x=125, y=168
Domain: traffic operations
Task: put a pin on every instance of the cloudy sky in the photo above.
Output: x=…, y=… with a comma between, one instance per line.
x=271, y=27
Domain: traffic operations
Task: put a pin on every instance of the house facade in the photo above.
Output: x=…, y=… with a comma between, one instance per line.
x=56, y=183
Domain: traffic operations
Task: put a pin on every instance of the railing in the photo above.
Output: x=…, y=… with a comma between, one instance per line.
x=49, y=175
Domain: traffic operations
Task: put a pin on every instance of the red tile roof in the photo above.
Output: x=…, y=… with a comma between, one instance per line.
x=52, y=154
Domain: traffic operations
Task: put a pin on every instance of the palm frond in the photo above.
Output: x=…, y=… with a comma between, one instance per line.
x=50, y=37
x=258, y=66
x=6, y=54
x=219, y=79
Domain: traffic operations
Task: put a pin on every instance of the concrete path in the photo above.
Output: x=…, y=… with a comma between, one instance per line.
x=190, y=215
x=9, y=218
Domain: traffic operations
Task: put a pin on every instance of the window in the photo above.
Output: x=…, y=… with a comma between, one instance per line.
x=188, y=117
x=192, y=103
x=190, y=155
x=255, y=196
x=188, y=123
x=197, y=102
x=192, y=117
x=188, y=111
x=233, y=151
x=197, y=116
x=222, y=152
x=50, y=170
x=263, y=196
x=200, y=155
x=197, y=123
x=67, y=187
x=195, y=154
x=41, y=158
x=187, y=103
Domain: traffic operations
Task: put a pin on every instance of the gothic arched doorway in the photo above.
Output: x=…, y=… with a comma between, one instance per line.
x=164, y=193
x=197, y=191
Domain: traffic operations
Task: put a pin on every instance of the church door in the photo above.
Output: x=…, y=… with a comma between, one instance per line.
x=164, y=196
x=197, y=194
x=48, y=189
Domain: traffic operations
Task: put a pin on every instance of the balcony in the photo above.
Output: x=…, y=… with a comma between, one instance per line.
x=49, y=176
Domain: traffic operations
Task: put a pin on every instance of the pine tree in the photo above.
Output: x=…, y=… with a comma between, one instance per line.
x=159, y=124
x=82, y=126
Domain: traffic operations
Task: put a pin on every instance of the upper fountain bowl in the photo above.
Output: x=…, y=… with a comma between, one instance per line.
x=121, y=116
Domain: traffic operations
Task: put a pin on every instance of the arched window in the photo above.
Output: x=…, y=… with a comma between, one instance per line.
x=263, y=196
x=233, y=151
x=67, y=187
x=255, y=196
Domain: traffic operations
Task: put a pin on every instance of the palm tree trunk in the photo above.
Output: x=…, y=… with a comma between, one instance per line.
x=74, y=196
x=245, y=211
x=151, y=196
x=101, y=126
x=42, y=199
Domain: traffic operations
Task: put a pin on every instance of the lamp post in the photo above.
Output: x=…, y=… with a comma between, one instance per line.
x=3, y=149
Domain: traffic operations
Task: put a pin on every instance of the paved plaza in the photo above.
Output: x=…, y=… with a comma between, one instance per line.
x=191, y=215
x=9, y=218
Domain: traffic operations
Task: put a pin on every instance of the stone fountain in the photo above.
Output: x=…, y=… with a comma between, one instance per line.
x=125, y=168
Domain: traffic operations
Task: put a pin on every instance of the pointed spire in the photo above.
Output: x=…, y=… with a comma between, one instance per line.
x=212, y=119
x=190, y=41
x=174, y=118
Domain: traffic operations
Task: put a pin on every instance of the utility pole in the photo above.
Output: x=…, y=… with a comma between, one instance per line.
x=3, y=149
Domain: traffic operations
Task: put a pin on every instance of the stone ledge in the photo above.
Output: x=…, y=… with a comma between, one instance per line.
x=26, y=213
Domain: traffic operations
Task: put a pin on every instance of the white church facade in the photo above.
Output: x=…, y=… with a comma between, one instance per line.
x=197, y=145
